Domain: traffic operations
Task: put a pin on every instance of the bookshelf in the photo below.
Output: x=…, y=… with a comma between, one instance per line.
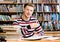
x=47, y=12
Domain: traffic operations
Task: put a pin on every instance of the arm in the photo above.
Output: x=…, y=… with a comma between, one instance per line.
x=38, y=28
x=26, y=32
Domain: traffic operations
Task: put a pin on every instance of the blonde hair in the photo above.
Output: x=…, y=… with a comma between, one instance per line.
x=29, y=4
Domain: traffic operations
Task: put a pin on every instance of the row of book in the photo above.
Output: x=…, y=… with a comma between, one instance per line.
x=11, y=8
x=38, y=1
x=31, y=1
x=40, y=17
x=17, y=8
x=51, y=8
x=9, y=18
x=8, y=8
x=48, y=17
x=4, y=18
x=51, y=1
x=51, y=25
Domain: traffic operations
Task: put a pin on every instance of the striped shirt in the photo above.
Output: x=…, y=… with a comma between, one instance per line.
x=26, y=30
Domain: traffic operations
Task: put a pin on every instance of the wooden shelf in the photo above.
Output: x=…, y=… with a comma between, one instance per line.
x=7, y=2
x=9, y=13
x=38, y=12
x=52, y=32
x=51, y=3
x=6, y=22
x=49, y=12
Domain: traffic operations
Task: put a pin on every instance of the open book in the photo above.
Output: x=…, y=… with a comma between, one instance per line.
x=36, y=37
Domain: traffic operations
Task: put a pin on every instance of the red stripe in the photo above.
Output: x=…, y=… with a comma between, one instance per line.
x=24, y=30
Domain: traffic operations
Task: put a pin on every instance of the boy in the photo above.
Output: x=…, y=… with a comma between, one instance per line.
x=29, y=25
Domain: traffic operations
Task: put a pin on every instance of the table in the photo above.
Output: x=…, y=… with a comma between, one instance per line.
x=16, y=40
x=33, y=41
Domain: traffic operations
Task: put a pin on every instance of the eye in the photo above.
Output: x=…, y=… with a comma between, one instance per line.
x=31, y=10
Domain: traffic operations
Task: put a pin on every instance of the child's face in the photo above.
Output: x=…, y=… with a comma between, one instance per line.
x=28, y=11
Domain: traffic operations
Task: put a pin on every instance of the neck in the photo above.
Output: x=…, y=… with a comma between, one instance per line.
x=25, y=18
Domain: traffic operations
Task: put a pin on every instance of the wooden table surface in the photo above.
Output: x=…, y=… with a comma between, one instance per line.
x=34, y=41
x=42, y=40
x=46, y=33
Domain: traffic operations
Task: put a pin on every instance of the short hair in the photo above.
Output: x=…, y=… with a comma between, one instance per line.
x=29, y=4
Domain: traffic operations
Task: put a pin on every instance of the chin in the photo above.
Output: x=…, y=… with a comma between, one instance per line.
x=28, y=16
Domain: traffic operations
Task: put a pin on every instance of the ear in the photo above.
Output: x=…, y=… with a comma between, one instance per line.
x=23, y=9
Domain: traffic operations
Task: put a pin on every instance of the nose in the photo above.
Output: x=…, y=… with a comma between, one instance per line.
x=28, y=11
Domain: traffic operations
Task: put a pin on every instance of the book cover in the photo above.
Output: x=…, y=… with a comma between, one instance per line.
x=59, y=16
x=23, y=1
x=45, y=25
x=39, y=8
x=46, y=8
x=20, y=8
x=4, y=8
x=53, y=17
x=1, y=18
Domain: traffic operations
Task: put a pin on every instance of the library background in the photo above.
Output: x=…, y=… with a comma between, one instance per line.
x=47, y=12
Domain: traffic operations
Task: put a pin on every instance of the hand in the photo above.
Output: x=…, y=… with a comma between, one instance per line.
x=34, y=25
x=35, y=32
